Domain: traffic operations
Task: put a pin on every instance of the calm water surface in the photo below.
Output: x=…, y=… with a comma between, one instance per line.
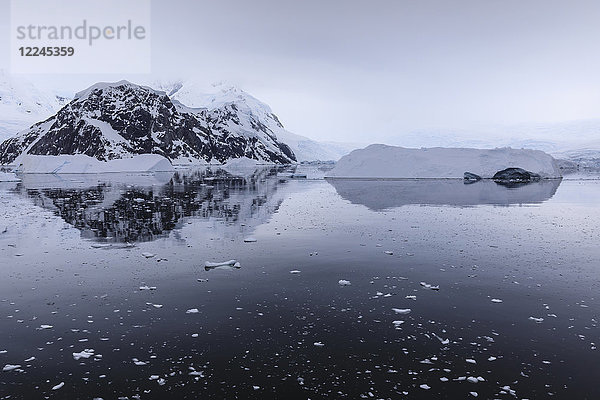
x=456, y=291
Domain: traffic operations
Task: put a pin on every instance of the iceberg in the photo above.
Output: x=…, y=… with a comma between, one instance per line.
x=82, y=164
x=8, y=177
x=380, y=161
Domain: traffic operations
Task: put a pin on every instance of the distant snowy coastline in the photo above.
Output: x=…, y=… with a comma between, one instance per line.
x=379, y=161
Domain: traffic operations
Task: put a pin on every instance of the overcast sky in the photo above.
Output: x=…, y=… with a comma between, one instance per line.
x=375, y=70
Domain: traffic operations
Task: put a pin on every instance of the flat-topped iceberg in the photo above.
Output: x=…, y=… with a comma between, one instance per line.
x=8, y=177
x=82, y=164
x=382, y=161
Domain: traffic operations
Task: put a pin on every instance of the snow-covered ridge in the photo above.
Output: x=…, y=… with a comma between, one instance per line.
x=109, y=85
x=381, y=161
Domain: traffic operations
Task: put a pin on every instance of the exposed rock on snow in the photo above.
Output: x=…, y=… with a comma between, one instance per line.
x=381, y=161
x=82, y=164
x=251, y=114
x=116, y=120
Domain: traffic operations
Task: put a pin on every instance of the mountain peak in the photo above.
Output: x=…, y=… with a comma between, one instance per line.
x=119, y=86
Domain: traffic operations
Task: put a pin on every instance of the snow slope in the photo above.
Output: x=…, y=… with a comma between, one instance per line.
x=252, y=112
x=381, y=161
x=22, y=105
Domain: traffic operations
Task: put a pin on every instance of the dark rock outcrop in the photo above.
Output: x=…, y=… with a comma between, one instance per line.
x=470, y=177
x=515, y=176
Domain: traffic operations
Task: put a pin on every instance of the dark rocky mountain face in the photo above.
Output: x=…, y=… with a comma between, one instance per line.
x=117, y=120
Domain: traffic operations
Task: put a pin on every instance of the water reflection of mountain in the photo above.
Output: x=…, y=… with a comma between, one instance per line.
x=384, y=194
x=121, y=212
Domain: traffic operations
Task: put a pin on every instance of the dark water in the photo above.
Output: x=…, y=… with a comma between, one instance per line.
x=75, y=252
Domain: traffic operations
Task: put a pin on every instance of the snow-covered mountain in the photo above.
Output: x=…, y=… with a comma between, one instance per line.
x=251, y=112
x=117, y=120
x=22, y=105
x=577, y=141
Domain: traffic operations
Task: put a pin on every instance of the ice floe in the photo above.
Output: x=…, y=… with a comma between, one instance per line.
x=429, y=286
x=87, y=353
x=10, y=367
x=222, y=265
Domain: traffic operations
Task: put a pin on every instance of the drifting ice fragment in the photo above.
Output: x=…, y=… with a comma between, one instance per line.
x=249, y=240
x=222, y=265
x=343, y=282
x=58, y=386
x=87, y=353
x=192, y=311
x=428, y=286
x=148, y=255
x=10, y=367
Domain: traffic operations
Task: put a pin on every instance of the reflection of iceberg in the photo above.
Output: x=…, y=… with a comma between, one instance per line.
x=383, y=194
x=147, y=209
